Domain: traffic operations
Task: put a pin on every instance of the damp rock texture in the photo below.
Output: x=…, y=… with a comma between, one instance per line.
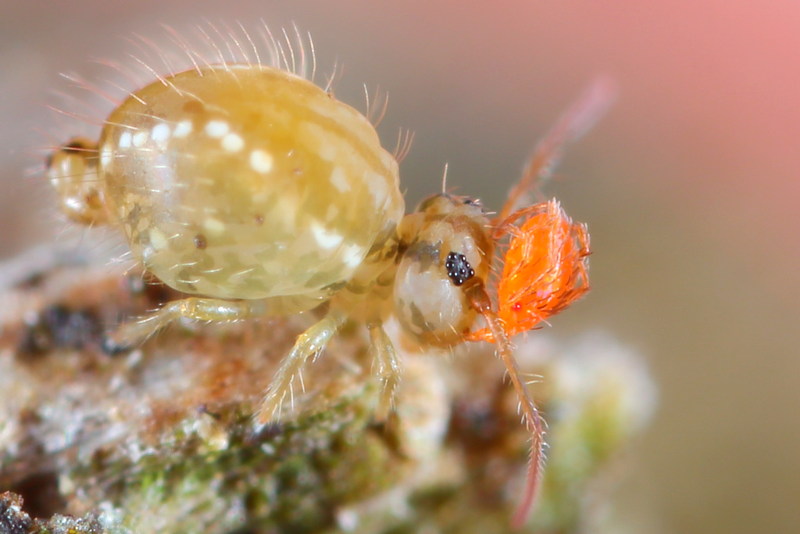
x=161, y=438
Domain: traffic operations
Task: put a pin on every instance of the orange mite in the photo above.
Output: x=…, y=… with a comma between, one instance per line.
x=544, y=268
x=544, y=271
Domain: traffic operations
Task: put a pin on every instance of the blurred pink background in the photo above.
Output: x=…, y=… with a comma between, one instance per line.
x=690, y=187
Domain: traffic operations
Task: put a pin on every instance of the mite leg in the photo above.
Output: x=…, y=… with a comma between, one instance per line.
x=387, y=368
x=507, y=225
x=203, y=309
x=583, y=241
x=308, y=344
x=577, y=120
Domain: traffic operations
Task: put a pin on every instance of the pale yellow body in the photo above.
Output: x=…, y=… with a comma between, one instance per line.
x=245, y=182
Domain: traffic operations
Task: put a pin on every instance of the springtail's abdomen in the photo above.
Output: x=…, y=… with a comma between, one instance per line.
x=246, y=182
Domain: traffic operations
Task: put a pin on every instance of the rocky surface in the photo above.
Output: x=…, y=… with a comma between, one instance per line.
x=161, y=438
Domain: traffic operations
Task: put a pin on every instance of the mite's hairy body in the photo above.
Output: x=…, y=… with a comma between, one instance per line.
x=255, y=192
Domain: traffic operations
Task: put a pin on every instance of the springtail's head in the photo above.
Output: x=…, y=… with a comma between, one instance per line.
x=448, y=249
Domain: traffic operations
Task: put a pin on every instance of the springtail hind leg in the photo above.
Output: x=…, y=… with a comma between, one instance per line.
x=133, y=333
x=386, y=367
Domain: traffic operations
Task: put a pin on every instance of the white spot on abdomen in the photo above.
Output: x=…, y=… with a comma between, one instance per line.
x=214, y=226
x=140, y=138
x=160, y=134
x=261, y=161
x=217, y=129
x=353, y=256
x=157, y=239
x=124, y=140
x=377, y=187
x=183, y=129
x=324, y=238
x=339, y=180
x=327, y=151
x=232, y=143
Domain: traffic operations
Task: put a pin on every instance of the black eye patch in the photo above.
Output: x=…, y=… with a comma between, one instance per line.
x=458, y=268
